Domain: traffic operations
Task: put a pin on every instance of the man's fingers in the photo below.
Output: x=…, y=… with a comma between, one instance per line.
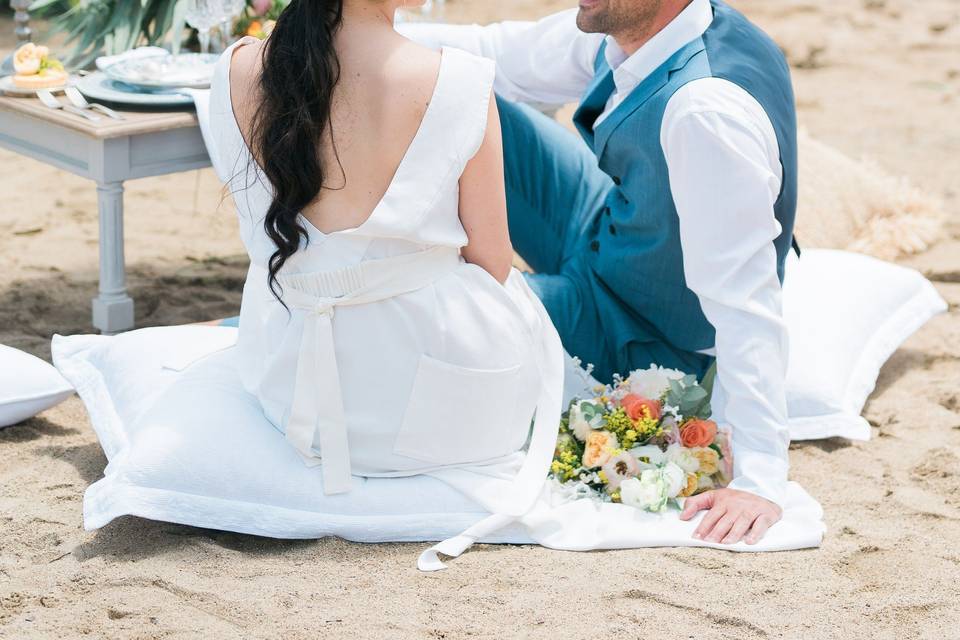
x=694, y=504
x=739, y=528
x=706, y=525
x=722, y=527
x=759, y=528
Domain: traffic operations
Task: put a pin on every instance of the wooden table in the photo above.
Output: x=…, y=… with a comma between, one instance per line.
x=107, y=152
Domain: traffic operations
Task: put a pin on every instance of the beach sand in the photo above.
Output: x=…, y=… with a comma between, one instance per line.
x=879, y=78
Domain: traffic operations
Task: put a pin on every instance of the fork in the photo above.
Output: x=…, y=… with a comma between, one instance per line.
x=51, y=101
x=74, y=96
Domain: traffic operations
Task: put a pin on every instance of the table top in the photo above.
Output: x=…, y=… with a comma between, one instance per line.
x=136, y=122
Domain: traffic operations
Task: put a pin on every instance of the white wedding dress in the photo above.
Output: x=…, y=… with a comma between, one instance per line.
x=396, y=357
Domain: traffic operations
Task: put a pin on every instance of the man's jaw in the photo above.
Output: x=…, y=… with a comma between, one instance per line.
x=587, y=19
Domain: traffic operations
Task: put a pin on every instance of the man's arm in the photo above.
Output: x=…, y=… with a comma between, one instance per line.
x=549, y=61
x=725, y=177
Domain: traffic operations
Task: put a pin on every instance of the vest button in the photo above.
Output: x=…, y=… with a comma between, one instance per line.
x=606, y=211
x=613, y=230
x=616, y=181
x=595, y=246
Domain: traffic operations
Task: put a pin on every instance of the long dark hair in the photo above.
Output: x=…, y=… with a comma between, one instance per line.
x=300, y=71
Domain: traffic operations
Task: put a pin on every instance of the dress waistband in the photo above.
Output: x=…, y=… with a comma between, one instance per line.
x=317, y=416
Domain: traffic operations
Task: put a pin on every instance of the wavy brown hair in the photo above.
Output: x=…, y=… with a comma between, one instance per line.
x=300, y=71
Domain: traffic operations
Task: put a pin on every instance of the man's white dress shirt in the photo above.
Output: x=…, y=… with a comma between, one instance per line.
x=723, y=160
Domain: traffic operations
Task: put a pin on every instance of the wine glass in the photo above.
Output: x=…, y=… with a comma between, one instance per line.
x=203, y=15
x=231, y=9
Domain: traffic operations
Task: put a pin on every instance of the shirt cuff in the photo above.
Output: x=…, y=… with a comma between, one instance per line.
x=761, y=474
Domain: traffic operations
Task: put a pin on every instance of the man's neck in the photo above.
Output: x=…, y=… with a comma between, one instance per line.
x=631, y=41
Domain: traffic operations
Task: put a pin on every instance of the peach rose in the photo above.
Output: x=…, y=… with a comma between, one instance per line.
x=692, y=483
x=709, y=460
x=637, y=407
x=260, y=7
x=599, y=448
x=698, y=433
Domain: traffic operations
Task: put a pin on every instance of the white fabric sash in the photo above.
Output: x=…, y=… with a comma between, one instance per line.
x=317, y=413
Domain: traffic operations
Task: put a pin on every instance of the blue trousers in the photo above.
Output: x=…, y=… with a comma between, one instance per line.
x=555, y=196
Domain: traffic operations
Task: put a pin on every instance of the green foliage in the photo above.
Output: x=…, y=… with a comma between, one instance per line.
x=692, y=399
x=98, y=27
x=95, y=27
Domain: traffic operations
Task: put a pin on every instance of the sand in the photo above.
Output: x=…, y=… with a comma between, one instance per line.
x=877, y=78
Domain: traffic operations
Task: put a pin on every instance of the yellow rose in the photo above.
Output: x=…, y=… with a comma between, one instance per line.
x=26, y=61
x=600, y=446
x=709, y=459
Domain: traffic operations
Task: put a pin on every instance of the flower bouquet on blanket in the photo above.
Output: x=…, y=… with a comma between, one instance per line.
x=645, y=440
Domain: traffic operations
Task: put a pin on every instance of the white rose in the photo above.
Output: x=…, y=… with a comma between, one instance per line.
x=681, y=456
x=646, y=492
x=653, y=382
x=674, y=478
x=578, y=424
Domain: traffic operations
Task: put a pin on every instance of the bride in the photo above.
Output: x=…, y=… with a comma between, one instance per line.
x=382, y=327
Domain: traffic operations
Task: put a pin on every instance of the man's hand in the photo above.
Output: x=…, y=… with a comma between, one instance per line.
x=732, y=516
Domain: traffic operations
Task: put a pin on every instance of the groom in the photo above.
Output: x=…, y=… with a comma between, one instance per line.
x=663, y=238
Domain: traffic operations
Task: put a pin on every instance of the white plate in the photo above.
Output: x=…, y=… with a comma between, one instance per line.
x=7, y=86
x=98, y=87
x=193, y=70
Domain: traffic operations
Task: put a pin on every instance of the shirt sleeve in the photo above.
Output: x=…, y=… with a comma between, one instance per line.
x=725, y=176
x=548, y=61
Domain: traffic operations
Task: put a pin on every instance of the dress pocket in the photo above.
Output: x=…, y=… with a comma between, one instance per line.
x=459, y=415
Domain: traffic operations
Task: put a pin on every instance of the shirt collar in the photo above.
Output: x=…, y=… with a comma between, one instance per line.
x=630, y=71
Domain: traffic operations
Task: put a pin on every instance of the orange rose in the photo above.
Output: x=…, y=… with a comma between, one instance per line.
x=637, y=407
x=698, y=433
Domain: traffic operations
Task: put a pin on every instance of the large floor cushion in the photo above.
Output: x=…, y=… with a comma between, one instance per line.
x=28, y=385
x=192, y=447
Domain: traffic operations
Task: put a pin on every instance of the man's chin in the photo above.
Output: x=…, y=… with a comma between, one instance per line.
x=589, y=17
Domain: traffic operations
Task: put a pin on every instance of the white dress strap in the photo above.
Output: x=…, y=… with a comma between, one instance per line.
x=474, y=86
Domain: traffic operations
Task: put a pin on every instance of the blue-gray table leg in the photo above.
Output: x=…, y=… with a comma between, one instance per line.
x=113, y=308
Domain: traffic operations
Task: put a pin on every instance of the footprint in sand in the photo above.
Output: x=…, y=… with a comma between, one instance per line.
x=939, y=474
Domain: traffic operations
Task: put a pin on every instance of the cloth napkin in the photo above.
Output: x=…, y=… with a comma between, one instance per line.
x=140, y=52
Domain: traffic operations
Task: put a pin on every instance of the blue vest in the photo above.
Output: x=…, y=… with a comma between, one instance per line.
x=634, y=251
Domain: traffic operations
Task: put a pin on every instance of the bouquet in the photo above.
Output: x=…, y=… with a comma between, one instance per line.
x=645, y=441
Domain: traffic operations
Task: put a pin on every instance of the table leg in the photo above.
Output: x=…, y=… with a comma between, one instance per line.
x=113, y=308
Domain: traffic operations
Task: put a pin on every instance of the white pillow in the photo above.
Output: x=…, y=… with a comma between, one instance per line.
x=194, y=448
x=28, y=385
x=847, y=314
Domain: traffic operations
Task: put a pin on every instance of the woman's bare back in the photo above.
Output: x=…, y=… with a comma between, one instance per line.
x=386, y=84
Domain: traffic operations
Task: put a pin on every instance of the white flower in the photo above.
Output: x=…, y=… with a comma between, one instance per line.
x=619, y=468
x=675, y=478
x=579, y=425
x=683, y=458
x=649, y=491
x=653, y=382
x=650, y=454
